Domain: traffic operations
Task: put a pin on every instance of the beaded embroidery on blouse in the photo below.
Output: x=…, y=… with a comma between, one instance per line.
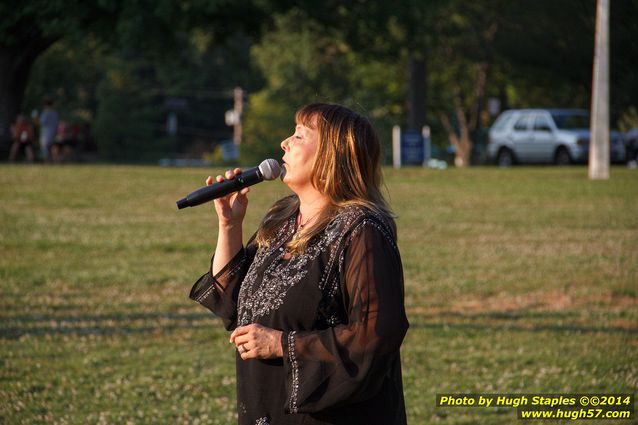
x=259, y=297
x=294, y=387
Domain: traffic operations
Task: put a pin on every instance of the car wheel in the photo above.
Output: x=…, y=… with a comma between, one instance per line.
x=505, y=158
x=562, y=157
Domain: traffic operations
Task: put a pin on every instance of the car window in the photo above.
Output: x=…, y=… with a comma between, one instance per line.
x=541, y=123
x=501, y=121
x=522, y=123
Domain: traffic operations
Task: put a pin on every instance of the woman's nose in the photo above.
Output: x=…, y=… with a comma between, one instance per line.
x=284, y=144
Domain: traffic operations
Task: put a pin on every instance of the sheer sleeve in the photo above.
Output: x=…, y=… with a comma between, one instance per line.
x=350, y=362
x=219, y=293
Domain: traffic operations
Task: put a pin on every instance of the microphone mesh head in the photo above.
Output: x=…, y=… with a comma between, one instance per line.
x=270, y=169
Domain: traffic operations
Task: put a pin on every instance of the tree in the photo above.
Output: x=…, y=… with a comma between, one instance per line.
x=399, y=32
x=20, y=44
x=527, y=54
x=309, y=62
x=30, y=27
x=549, y=55
x=398, y=62
x=467, y=55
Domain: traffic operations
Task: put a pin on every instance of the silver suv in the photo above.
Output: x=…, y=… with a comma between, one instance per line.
x=559, y=136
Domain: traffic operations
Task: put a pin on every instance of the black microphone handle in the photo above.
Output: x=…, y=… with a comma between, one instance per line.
x=217, y=190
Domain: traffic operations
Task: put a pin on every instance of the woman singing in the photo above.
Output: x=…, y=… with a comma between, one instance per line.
x=315, y=298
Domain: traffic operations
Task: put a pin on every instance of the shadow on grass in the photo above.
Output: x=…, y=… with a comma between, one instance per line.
x=14, y=327
x=515, y=315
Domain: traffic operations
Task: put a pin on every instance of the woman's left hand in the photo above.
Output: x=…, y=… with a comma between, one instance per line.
x=257, y=342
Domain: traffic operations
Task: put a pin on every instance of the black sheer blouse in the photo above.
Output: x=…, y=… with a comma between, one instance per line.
x=340, y=307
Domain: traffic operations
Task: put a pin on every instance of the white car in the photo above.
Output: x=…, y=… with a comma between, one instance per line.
x=559, y=136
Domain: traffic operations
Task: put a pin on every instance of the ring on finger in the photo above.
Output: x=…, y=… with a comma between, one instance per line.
x=242, y=349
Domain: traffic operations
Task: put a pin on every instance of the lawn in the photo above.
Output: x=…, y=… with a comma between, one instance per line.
x=517, y=281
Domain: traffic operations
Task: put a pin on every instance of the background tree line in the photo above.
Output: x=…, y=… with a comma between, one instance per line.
x=123, y=65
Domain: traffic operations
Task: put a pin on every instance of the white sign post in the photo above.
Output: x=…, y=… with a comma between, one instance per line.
x=396, y=146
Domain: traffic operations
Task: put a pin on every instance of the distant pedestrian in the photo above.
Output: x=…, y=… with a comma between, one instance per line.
x=23, y=137
x=48, y=129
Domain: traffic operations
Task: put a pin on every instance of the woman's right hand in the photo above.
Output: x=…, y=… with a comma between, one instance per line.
x=231, y=209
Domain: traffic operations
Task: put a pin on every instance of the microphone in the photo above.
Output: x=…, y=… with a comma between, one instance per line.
x=267, y=170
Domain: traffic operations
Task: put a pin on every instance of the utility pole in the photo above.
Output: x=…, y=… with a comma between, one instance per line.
x=599, y=143
x=416, y=91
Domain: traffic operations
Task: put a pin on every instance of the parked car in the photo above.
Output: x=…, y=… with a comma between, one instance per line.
x=559, y=136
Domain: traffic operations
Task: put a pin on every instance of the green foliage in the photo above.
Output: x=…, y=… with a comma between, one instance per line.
x=139, y=25
x=301, y=62
x=126, y=119
x=350, y=52
x=157, y=32
x=124, y=94
x=309, y=63
x=215, y=158
x=30, y=20
x=628, y=120
x=267, y=123
x=548, y=57
x=68, y=72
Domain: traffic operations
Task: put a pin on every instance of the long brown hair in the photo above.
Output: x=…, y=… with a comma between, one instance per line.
x=347, y=169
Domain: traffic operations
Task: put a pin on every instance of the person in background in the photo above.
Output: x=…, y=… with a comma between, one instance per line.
x=23, y=137
x=48, y=122
x=58, y=144
x=314, y=301
x=65, y=142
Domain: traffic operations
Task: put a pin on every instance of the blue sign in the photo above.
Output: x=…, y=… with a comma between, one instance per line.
x=412, y=148
x=230, y=151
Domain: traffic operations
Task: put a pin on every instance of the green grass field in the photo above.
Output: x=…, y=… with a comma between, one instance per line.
x=517, y=281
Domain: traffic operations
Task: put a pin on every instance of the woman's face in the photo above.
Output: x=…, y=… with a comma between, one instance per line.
x=299, y=156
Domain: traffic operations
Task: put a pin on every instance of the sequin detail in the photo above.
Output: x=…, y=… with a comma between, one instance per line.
x=260, y=295
x=262, y=421
x=294, y=384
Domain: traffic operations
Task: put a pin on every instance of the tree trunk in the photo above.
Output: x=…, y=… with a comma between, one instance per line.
x=15, y=66
x=416, y=92
x=10, y=98
x=467, y=127
x=463, y=153
x=461, y=141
